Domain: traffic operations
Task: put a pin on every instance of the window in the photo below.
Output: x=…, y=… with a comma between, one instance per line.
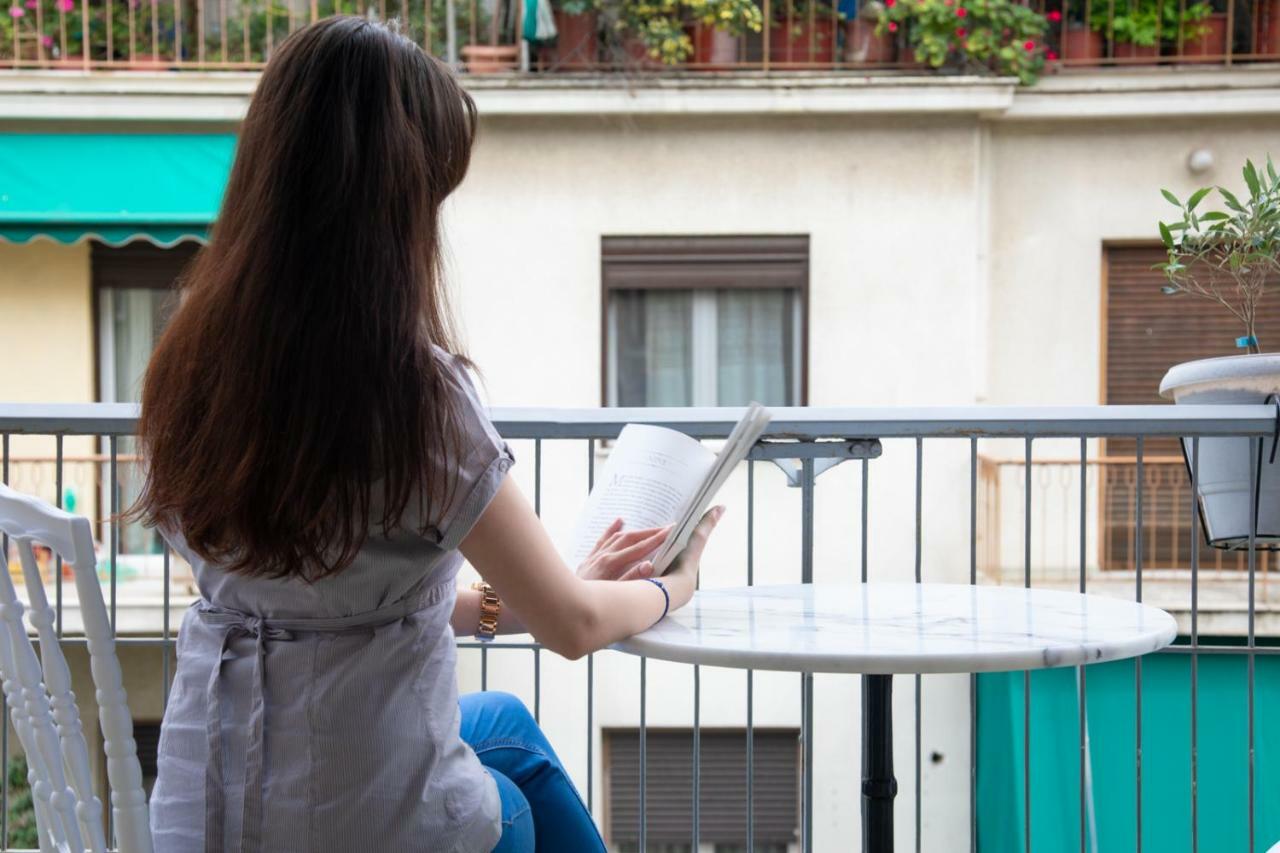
x=133, y=288
x=1146, y=333
x=722, y=806
x=705, y=321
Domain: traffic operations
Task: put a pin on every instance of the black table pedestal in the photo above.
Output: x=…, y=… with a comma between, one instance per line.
x=878, y=785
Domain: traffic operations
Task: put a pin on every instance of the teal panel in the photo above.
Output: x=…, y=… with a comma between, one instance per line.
x=71, y=186
x=1222, y=757
x=113, y=235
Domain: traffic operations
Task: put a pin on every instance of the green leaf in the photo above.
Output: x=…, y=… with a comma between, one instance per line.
x=1251, y=177
x=1213, y=216
x=1230, y=199
x=1167, y=236
x=1271, y=170
x=1172, y=199
x=1197, y=197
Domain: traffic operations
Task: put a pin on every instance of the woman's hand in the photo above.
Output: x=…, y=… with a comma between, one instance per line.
x=617, y=554
x=682, y=579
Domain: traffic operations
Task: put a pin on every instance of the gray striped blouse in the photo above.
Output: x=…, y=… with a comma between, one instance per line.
x=330, y=709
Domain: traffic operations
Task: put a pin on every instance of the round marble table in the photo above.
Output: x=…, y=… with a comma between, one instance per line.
x=881, y=629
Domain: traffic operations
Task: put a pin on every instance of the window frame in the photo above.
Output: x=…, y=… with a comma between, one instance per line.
x=704, y=263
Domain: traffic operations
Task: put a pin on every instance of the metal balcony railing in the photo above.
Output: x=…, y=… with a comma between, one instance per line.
x=833, y=495
x=480, y=36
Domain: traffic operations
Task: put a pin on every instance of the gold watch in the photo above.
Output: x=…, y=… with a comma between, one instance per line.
x=490, y=607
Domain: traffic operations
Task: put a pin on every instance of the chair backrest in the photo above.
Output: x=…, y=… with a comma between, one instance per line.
x=43, y=708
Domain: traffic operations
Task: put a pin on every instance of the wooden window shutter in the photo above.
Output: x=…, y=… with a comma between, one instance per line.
x=722, y=817
x=1148, y=332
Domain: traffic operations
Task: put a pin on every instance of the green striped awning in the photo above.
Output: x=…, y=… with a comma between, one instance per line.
x=113, y=187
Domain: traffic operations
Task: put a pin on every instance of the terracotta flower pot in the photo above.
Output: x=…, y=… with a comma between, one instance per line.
x=1212, y=45
x=490, y=58
x=636, y=56
x=1136, y=54
x=803, y=44
x=1081, y=46
x=1266, y=26
x=714, y=49
x=577, y=45
x=863, y=46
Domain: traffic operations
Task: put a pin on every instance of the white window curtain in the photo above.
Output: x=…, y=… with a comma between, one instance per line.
x=754, y=348
x=654, y=345
x=703, y=347
x=130, y=322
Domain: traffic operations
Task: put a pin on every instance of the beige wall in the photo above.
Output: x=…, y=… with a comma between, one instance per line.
x=1059, y=190
x=48, y=325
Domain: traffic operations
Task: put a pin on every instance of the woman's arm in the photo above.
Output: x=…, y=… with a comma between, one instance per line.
x=616, y=556
x=568, y=614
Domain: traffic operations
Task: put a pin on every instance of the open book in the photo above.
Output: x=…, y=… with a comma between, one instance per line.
x=656, y=476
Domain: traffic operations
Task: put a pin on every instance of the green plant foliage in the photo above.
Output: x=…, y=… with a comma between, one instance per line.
x=22, y=812
x=991, y=36
x=1232, y=256
x=663, y=25
x=1146, y=22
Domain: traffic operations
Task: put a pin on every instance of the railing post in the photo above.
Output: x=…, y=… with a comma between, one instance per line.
x=806, y=679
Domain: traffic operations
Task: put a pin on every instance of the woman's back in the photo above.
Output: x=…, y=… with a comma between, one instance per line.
x=347, y=725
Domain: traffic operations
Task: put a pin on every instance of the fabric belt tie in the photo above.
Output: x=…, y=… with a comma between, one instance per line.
x=235, y=623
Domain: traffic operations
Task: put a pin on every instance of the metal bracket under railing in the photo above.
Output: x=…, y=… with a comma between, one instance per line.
x=825, y=455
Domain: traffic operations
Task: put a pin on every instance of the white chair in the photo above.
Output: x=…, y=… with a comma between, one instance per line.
x=43, y=708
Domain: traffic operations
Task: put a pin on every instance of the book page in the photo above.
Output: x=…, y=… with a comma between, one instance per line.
x=743, y=437
x=650, y=476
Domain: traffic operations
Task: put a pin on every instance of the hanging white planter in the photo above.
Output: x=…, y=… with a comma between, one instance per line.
x=1224, y=477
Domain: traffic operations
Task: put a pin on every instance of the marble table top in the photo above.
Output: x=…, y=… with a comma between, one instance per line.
x=902, y=628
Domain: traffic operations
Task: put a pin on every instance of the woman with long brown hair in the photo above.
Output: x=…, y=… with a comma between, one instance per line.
x=317, y=451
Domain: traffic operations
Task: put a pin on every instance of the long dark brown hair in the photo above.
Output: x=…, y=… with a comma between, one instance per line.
x=299, y=373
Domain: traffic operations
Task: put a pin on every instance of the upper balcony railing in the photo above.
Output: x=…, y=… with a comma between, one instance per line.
x=628, y=36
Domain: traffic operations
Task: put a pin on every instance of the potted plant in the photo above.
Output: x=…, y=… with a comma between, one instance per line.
x=501, y=51
x=718, y=28
x=1230, y=257
x=1138, y=28
x=1266, y=27
x=802, y=33
x=1077, y=43
x=982, y=36
x=864, y=43
x=656, y=33
x=1207, y=42
x=577, y=43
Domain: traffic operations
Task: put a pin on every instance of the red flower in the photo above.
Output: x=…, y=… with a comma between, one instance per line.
x=889, y=3
x=1055, y=16
x=1030, y=45
x=961, y=32
x=1050, y=55
x=961, y=11
x=893, y=26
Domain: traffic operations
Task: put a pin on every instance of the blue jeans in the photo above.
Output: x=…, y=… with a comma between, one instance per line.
x=541, y=810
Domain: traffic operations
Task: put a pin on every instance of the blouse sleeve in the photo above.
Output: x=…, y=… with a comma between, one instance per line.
x=484, y=461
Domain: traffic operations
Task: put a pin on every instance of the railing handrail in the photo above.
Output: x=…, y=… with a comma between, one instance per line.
x=789, y=423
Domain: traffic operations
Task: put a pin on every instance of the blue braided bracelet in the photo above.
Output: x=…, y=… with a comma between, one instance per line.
x=666, y=597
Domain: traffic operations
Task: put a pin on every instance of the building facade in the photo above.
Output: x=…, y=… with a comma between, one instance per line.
x=807, y=239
